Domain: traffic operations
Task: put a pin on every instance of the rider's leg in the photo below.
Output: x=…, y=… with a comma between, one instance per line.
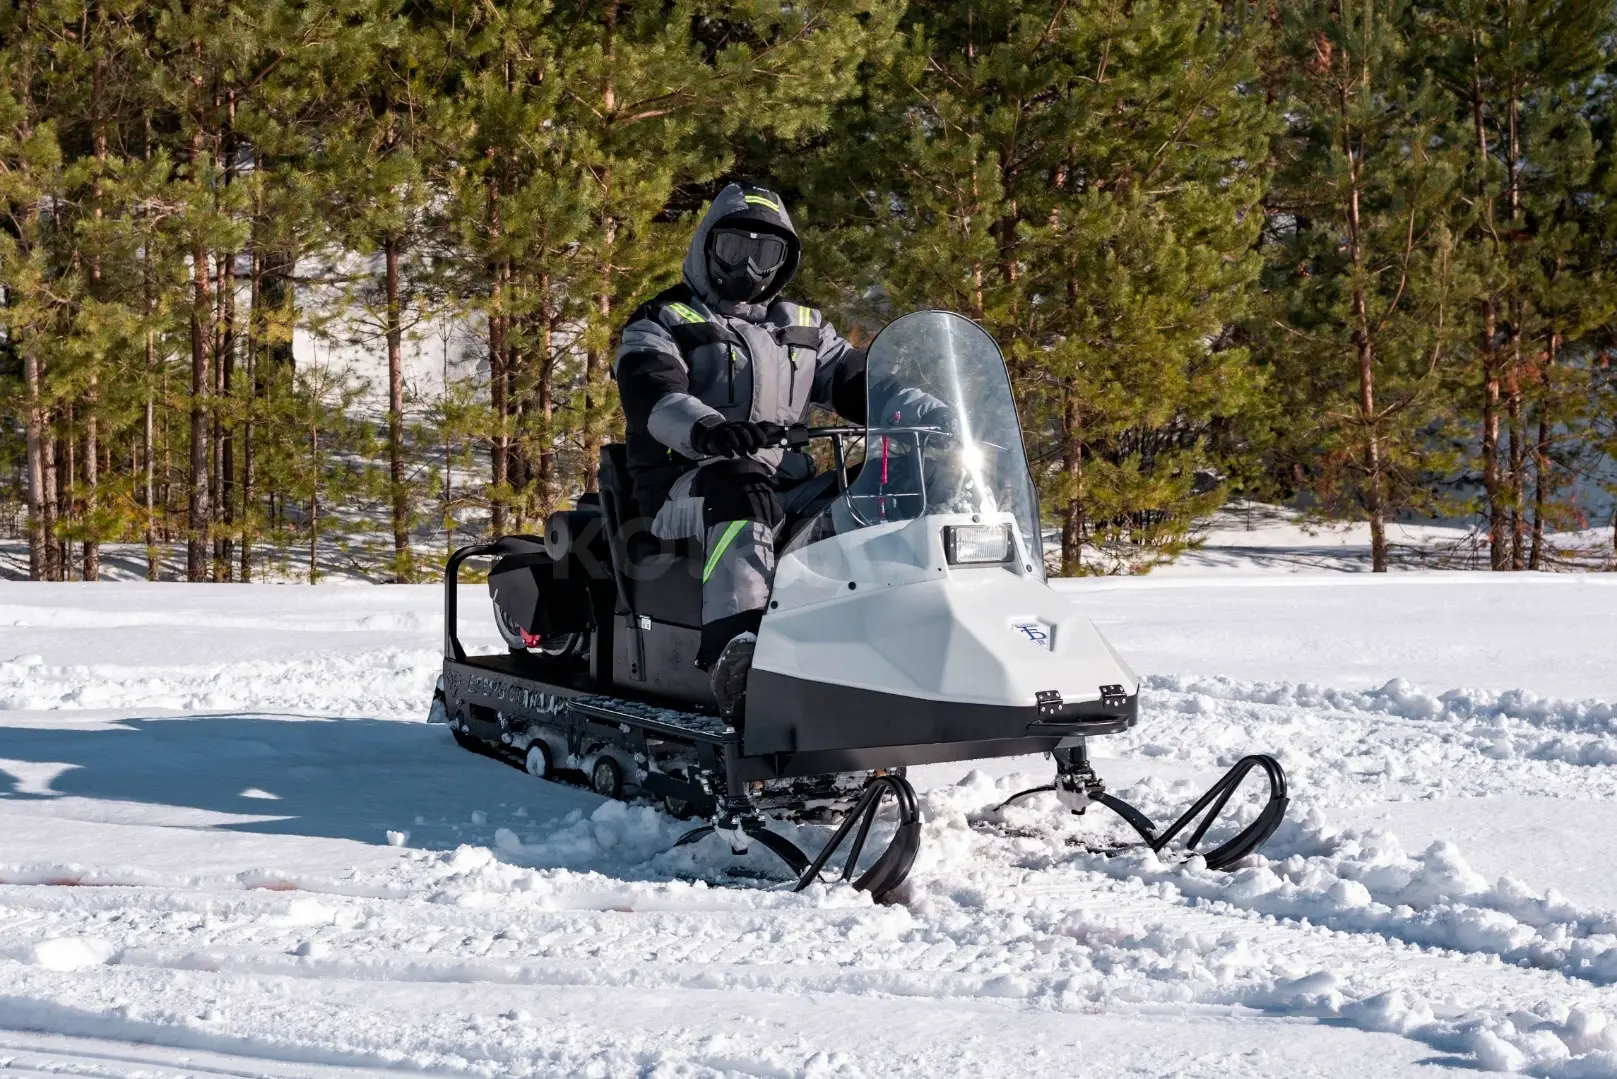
x=731, y=506
x=741, y=515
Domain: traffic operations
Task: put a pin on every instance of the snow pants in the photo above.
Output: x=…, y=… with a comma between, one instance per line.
x=737, y=508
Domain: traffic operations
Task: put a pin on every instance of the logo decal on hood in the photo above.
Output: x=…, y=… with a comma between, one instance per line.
x=1040, y=633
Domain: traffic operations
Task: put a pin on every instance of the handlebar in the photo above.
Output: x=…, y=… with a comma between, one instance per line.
x=798, y=435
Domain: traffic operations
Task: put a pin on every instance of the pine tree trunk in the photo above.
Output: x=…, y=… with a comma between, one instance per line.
x=1072, y=466
x=147, y=449
x=546, y=405
x=518, y=469
x=500, y=445
x=197, y=507
x=1498, y=544
x=55, y=557
x=1517, y=451
x=225, y=551
x=215, y=439
x=1374, y=491
x=1513, y=381
x=148, y=425
x=92, y=481
x=314, y=504
x=1364, y=349
x=40, y=539
x=449, y=470
x=255, y=343
x=595, y=358
x=595, y=367
x=148, y=417
x=92, y=474
x=395, y=416
x=1541, y=456
x=69, y=489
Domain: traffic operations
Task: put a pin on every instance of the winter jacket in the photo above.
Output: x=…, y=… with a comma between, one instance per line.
x=687, y=356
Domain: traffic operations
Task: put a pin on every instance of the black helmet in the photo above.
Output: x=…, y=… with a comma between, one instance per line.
x=743, y=258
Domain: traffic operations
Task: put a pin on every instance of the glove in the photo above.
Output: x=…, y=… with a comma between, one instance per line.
x=944, y=416
x=732, y=438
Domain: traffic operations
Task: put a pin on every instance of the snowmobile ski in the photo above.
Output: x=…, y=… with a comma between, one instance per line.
x=1077, y=787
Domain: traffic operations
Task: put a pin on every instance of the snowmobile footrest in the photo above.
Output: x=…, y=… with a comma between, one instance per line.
x=891, y=869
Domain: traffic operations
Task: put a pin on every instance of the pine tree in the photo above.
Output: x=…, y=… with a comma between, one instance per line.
x=29, y=185
x=1501, y=64
x=1364, y=302
x=581, y=124
x=1082, y=178
x=379, y=195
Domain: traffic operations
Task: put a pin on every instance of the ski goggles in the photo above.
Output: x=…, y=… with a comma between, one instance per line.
x=735, y=248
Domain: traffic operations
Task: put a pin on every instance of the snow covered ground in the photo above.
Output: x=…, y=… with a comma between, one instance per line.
x=229, y=845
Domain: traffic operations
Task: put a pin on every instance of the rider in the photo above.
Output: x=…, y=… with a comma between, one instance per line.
x=700, y=367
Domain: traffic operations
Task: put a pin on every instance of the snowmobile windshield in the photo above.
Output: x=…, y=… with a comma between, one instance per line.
x=942, y=439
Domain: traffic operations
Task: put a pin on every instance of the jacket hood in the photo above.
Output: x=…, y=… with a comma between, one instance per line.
x=745, y=205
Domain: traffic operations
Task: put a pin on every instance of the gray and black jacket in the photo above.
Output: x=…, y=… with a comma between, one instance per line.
x=687, y=357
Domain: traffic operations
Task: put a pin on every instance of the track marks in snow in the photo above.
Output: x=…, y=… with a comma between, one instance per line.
x=1344, y=924
x=1024, y=921
x=1350, y=747
x=383, y=681
x=30, y=1054
x=1004, y=911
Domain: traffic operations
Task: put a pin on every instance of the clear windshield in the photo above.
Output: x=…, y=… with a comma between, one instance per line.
x=942, y=435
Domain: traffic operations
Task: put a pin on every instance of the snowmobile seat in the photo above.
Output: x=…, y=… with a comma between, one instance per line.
x=659, y=579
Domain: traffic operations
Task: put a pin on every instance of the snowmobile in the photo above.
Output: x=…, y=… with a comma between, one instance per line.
x=909, y=623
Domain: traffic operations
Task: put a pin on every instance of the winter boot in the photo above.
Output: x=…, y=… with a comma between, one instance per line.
x=728, y=675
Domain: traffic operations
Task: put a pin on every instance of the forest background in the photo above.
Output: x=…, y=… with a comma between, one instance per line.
x=1348, y=256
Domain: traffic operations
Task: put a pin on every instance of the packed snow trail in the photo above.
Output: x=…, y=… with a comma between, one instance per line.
x=240, y=852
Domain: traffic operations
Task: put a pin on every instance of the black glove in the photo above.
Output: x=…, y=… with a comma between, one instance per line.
x=944, y=416
x=732, y=438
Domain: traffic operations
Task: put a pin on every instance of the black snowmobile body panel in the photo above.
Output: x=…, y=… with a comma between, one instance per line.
x=794, y=715
x=499, y=697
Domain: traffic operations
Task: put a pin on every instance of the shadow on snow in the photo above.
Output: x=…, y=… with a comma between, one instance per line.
x=335, y=778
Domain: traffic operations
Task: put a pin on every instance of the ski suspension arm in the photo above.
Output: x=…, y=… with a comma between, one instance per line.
x=893, y=866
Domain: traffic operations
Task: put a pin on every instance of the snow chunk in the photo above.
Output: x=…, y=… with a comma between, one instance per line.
x=1349, y=895
x=71, y=953
x=1443, y=875
x=1390, y=1012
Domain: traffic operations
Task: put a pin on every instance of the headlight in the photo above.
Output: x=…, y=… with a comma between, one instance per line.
x=967, y=545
